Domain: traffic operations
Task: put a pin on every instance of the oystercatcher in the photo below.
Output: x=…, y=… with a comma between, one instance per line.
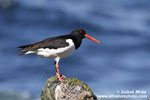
x=57, y=47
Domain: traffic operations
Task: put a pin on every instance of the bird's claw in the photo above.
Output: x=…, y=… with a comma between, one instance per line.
x=60, y=79
x=63, y=76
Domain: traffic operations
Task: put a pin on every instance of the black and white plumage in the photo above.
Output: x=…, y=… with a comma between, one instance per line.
x=57, y=47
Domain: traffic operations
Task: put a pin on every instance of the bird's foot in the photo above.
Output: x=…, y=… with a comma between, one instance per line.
x=63, y=76
x=60, y=79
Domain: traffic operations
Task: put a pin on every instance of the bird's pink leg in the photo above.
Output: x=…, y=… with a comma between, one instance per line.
x=57, y=72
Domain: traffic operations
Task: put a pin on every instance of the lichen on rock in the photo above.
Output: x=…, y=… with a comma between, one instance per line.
x=70, y=89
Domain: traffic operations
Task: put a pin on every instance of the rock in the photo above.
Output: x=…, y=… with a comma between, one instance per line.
x=70, y=89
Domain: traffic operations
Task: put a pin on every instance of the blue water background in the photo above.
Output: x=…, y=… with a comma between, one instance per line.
x=121, y=61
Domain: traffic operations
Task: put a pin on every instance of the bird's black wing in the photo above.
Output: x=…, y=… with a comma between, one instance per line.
x=51, y=43
x=54, y=43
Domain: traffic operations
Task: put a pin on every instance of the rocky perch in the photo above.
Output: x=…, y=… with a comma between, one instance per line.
x=70, y=89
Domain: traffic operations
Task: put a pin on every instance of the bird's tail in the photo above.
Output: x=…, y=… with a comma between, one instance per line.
x=23, y=49
x=22, y=53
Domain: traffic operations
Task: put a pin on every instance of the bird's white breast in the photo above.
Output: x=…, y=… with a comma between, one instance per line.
x=59, y=52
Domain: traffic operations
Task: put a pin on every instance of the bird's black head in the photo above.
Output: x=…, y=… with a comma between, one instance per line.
x=79, y=33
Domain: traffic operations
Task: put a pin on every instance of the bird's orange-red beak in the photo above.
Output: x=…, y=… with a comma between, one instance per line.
x=89, y=37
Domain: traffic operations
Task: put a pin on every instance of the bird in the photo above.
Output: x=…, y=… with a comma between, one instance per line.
x=57, y=47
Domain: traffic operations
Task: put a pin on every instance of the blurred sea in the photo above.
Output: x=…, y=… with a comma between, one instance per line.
x=120, y=62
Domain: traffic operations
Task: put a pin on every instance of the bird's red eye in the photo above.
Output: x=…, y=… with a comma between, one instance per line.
x=81, y=31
